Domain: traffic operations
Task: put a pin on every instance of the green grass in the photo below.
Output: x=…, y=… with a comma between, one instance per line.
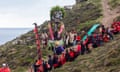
x=87, y=13
x=87, y=24
x=118, y=18
x=114, y=3
x=96, y=2
x=20, y=69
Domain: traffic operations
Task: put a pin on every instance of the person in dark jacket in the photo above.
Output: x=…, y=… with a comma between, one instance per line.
x=86, y=43
x=82, y=48
x=67, y=56
x=59, y=50
x=109, y=33
x=46, y=66
x=50, y=62
x=55, y=61
x=103, y=29
x=35, y=66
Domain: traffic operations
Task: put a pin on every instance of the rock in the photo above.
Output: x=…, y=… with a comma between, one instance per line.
x=107, y=62
x=76, y=70
x=79, y=1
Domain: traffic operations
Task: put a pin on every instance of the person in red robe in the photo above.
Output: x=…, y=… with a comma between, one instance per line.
x=5, y=68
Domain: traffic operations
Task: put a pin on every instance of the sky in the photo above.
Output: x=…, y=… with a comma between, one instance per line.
x=23, y=13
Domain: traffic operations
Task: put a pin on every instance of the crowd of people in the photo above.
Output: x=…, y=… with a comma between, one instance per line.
x=75, y=46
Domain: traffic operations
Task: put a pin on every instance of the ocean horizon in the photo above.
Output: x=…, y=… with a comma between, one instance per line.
x=8, y=34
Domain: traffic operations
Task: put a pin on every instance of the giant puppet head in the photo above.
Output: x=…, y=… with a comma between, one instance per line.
x=56, y=26
x=57, y=14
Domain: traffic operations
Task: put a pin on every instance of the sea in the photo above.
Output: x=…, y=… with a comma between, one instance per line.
x=8, y=34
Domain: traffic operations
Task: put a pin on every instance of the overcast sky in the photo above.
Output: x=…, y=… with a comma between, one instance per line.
x=22, y=13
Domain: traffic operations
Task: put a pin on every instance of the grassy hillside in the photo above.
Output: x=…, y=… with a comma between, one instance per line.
x=21, y=55
x=114, y=3
x=102, y=59
x=83, y=14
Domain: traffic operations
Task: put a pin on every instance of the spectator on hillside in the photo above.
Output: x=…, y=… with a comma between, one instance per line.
x=82, y=48
x=108, y=31
x=66, y=39
x=67, y=56
x=35, y=66
x=44, y=37
x=62, y=59
x=58, y=48
x=55, y=61
x=50, y=62
x=72, y=54
x=106, y=38
x=87, y=44
x=103, y=29
x=46, y=66
x=5, y=68
x=78, y=38
x=78, y=49
x=72, y=37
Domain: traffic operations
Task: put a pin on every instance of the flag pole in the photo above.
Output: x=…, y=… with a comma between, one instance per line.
x=37, y=38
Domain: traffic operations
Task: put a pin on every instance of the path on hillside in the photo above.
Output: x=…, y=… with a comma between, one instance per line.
x=108, y=13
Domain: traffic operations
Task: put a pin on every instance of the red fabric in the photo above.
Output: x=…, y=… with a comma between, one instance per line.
x=118, y=23
x=115, y=28
x=105, y=38
x=101, y=37
x=39, y=62
x=78, y=38
x=36, y=36
x=71, y=54
x=5, y=69
x=94, y=35
x=40, y=69
x=55, y=65
x=118, y=28
x=61, y=29
x=62, y=59
x=78, y=48
x=35, y=30
x=115, y=23
x=51, y=32
x=37, y=42
x=85, y=42
x=48, y=66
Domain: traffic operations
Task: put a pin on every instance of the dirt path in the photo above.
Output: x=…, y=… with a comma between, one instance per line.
x=108, y=14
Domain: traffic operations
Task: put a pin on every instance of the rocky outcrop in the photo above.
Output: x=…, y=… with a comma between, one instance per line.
x=79, y=1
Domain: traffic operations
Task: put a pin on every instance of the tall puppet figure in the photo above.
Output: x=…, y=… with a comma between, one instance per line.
x=56, y=27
